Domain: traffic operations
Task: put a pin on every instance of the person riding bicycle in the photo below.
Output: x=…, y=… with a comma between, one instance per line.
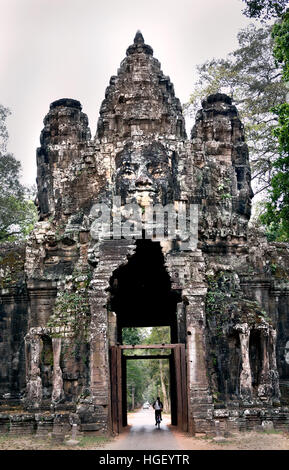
x=158, y=407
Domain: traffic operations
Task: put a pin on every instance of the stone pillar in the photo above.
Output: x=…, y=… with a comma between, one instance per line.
x=34, y=383
x=112, y=327
x=199, y=399
x=196, y=345
x=187, y=274
x=94, y=411
x=273, y=366
x=245, y=376
x=181, y=322
x=99, y=347
x=264, y=387
x=57, y=381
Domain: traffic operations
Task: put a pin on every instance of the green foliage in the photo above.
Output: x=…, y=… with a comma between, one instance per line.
x=280, y=35
x=17, y=216
x=144, y=381
x=225, y=303
x=255, y=76
x=4, y=113
x=18, y=213
x=277, y=207
x=137, y=382
x=220, y=290
x=159, y=335
x=69, y=308
x=93, y=441
x=253, y=80
x=133, y=335
x=11, y=267
x=265, y=9
x=276, y=232
x=71, y=312
x=147, y=378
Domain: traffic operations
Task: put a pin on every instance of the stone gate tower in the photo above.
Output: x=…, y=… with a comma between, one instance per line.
x=223, y=293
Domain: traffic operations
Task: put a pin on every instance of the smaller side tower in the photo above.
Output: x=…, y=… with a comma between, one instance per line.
x=65, y=131
x=222, y=170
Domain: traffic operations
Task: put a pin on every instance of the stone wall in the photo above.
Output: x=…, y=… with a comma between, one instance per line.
x=13, y=320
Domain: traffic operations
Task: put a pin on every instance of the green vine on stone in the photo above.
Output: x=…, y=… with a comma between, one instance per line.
x=220, y=288
x=71, y=314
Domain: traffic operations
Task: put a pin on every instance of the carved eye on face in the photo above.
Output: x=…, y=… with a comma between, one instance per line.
x=157, y=171
x=128, y=170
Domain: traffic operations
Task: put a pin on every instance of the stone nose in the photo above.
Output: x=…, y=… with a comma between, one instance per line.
x=143, y=180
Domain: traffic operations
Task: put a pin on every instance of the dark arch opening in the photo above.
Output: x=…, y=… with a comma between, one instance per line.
x=235, y=365
x=46, y=366
x=141, y=293
x=141, y=296
x=256, y=358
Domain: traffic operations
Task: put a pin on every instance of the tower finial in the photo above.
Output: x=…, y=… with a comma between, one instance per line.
x=139, y=45
x=139, y=40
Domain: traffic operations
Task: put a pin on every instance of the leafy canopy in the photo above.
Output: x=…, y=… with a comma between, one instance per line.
x=253, y=80
x=17, y=211
x=276, y=216
x=265, y=9
x=147, y=378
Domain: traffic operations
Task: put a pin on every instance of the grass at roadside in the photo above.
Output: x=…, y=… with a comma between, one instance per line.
x=20, y=442
x=93, y=441
x=252, y=440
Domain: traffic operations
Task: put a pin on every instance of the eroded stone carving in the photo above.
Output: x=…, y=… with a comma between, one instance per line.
x=223, y=299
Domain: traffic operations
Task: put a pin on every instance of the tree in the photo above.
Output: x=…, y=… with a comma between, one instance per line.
x=147, y=378
x=138, y=380
x=159, y=369
x=17, y=211
x=276, y=215
x=4, y=113
x=133, y=335
x=280, y=35
x=137, y=371
x=252, y=79
x=265, y=9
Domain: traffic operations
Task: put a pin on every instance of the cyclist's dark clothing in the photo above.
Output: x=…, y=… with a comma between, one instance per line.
x=158, y=412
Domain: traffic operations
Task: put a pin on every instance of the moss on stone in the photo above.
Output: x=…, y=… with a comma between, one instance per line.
x=11, y=265
x=225, y=302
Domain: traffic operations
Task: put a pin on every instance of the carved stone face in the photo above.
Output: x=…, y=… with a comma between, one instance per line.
x=286, y=353
x=144, y=175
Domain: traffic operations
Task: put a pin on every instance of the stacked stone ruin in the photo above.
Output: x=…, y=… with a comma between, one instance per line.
x=62, y=308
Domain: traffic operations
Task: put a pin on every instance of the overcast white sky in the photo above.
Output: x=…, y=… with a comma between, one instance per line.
x=51, y=49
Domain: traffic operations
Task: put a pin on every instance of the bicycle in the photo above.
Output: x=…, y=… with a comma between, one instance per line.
x=158, y=420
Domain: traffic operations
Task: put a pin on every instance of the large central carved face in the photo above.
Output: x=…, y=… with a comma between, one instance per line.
x=144, y=175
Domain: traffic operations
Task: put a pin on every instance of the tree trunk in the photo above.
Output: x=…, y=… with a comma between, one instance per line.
x=132, y=398
x=163, y=386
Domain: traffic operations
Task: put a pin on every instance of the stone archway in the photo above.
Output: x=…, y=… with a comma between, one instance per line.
x=141, y=296
x=141, y=293
x=186, y=275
